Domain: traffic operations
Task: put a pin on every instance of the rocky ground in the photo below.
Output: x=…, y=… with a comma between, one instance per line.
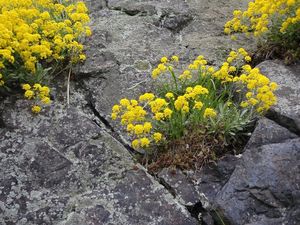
x=70, y=165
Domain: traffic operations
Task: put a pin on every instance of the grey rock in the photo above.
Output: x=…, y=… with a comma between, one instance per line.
x=156, y=6
x=287, y=110
x=267, y=132
x=210, y=179
x=210, y=16
x=181, y=186
x=264, y=187
x=133, y=8
x=95, y=6
x=60, y=167
x=198, y=189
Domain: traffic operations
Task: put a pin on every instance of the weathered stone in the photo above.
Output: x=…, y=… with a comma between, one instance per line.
x=60, y=167
x=181, y=186
x=212, y=177
x=155, y=6
x=287, y=111
x=174, y=22
x=95, y=6
x=210, y=16
x=197, y=190
x=131, y=41
x=267, y=132
x=133, y=8
x=264, y=188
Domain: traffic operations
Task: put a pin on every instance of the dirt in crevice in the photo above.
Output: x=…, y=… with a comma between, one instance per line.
x=193, y=151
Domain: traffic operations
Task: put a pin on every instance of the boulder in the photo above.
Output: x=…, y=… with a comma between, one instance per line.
x=60, y=167
x=263, y=189
x=287, y=110
x=268, y=132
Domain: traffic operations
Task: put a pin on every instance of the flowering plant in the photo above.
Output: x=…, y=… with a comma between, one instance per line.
x=36, y=34
x=218, y=101
x=276, y=22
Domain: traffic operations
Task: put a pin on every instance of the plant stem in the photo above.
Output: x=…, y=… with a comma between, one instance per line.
x=175, y=81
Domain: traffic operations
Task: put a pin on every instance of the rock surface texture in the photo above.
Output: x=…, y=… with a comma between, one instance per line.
x=68, y=165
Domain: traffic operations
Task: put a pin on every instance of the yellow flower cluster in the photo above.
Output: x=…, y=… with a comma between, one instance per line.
x=163, y=66
x=39, y=94
x=260, y=93
x=200, y=95
x=192, y=97
x=35, y=30
x=133, y=116
x=262, y=14
x=1, y=81
x=229, y=69
x=260, y=90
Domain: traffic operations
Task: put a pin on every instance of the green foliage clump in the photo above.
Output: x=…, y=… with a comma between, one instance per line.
x=36, y=35
x=276, y=23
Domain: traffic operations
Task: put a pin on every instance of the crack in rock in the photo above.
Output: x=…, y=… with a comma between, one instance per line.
x=284, y=121
x=174, y=22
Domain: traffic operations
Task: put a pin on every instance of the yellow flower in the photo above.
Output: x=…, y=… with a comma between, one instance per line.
x=116, y=109
x=198, y=105
x=209, y=113
x=134, y=102
x=37, y=87
x=82, y=57
x=185, y=109
x=211, y=70
x=162, y=67
x=130, y=127
x=232, y=69
x=46, y=100
x=44, y=91
x=135, y=144
x=175, y=58
x=227, y=30
x=26, y=87
x=253, y=101
x=244, y=104
x=157, y=104
x=180, y=103
x=168, y=112
x=147, y=127
x=158, y=116
x=36, y=109
x=157, y=137
x=189, y=90
x=185, y=75
x=169, y=95
x=124, y=102
x=273, y=86
x=249, y=95
x=145, y=142
x=200, y=57
x=29, y=94
x=164, y=59
x=138, y=129
x=114, y=116
x=248, y=58
x=155, y=73
x=146, y=97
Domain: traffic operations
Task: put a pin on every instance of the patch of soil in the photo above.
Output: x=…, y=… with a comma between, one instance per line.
x=191, y=151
